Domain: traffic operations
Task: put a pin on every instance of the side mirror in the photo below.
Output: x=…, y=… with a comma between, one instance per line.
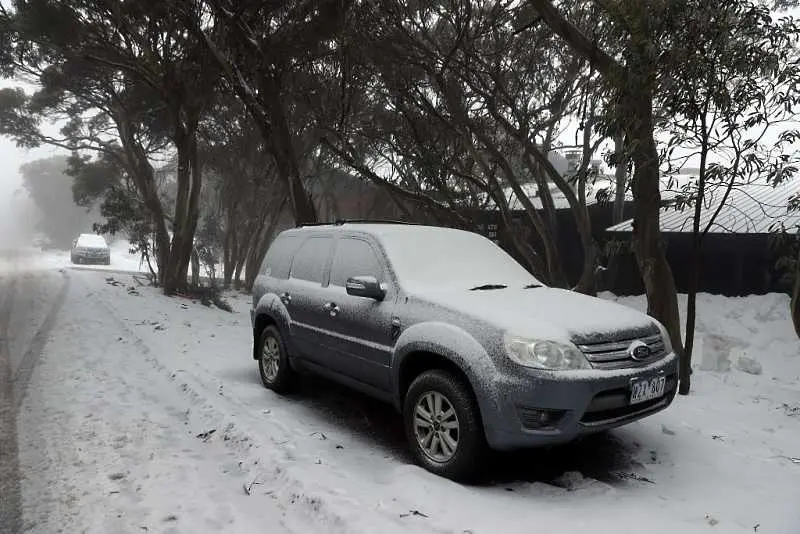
x=365, y=286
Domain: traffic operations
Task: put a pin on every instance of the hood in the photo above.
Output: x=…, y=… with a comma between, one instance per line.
x=548, y=313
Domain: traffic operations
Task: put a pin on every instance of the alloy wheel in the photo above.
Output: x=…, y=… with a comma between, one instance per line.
x=436, y=426
x=270, y=357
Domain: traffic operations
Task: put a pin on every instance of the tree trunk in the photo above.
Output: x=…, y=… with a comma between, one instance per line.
x=144, y=179
x=285, y=157
x=662, y=298
x=186, y=208
x=620, y=179
x=635, y=84
x=241, y=258
x=795, y=305
x=538, y=164
x=265, y=233
x=268, y=111
x=685, y=372
x=229, y=255
x=536, y=158
x=553, y=269
x=588, y=281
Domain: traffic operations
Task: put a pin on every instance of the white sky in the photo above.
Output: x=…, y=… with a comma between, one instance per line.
x=15, y=219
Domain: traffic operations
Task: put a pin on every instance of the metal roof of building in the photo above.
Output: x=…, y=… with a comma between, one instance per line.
x=755, y=208
x=598, y=190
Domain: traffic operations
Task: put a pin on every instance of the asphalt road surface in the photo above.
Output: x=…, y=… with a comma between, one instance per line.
x=29, y=303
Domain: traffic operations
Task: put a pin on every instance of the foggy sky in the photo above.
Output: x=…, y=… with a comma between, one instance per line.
x=16, y=215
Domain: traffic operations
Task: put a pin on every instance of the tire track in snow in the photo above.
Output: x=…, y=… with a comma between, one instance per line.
x=10, y=516
x=22, y=377
x=13, y=383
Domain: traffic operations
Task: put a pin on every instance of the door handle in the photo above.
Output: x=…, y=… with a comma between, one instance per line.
x=286, y=298
x=331, y=308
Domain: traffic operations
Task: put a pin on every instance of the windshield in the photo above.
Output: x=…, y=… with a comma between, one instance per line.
x=439, y=258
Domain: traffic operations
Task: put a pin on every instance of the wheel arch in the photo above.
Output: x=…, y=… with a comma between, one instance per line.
x=443, y=346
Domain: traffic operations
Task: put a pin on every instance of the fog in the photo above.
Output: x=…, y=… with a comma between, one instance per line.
x=18, y=214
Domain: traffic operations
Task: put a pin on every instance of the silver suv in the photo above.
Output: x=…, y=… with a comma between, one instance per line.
x=471, y=348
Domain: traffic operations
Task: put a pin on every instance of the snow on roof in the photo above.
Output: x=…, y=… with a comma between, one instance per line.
x=595, y=191
x=599, y=190
x=91, y=240
x=755, y=208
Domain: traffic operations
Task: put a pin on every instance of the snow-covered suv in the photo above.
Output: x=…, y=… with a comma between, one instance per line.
x=446, y=326
x=90, y=248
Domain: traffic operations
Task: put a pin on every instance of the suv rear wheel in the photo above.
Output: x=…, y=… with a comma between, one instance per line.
x=443, y=425
x=273, y=362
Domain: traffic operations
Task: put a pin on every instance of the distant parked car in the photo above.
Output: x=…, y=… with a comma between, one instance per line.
x=90, y=248
x=471, y=348
x=42, y=242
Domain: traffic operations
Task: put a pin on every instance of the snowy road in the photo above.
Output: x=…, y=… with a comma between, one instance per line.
x=145, y=414
x=29, y=303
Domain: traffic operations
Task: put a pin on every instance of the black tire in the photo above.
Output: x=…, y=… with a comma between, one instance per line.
x=466, y=462
x=284, y=379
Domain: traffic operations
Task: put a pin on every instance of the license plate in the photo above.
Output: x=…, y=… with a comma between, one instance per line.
x=649, y=389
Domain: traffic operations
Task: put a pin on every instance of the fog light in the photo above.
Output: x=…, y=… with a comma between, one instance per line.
x=539, y=418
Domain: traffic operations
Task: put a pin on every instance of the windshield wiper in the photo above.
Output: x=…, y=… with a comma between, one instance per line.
x=486, y=287
x=533, y=286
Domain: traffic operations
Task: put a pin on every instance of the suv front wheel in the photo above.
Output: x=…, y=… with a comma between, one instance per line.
x=443, y=425
x=273, y=362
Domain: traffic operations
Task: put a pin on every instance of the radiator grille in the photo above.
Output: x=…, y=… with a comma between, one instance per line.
x=614, y=354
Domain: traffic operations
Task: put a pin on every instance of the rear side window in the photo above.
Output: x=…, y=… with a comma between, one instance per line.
x=279, y=256
x=309, y=262
x=354, y=257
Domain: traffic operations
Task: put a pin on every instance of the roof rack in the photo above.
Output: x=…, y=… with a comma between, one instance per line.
x=340, y=222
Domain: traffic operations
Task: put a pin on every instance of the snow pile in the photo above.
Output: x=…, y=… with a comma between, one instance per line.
x=752, y=335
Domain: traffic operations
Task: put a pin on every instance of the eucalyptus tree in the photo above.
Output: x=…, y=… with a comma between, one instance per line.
x=729, y=104
x=245, y=183
x=658, y=60
x=133, y=65
x=264, y=49
x=104, y=117
x=455, y=104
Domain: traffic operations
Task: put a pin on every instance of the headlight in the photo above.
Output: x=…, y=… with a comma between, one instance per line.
x=545, y=354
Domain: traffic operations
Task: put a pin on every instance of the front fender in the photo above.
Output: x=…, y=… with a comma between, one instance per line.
x=457, y=346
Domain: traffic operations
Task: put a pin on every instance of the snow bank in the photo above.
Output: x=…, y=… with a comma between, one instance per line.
x=740, y=333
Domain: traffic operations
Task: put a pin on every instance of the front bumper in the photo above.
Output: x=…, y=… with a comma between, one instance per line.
x=583, y=402
x=91, y=257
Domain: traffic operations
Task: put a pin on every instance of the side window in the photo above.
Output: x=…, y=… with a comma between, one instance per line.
x=309, y=262
x=354, y=257
x=279, y=256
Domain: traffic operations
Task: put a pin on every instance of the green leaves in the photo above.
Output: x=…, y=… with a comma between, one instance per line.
x=16, y=119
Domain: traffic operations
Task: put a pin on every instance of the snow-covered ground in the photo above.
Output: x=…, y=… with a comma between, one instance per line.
x=121, y=259
x=145, y=413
